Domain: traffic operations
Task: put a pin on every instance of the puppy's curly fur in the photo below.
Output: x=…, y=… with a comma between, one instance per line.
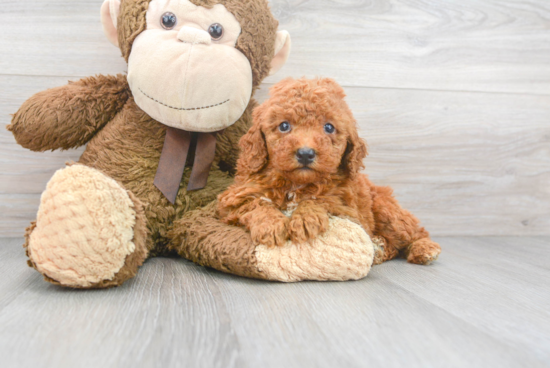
x=272, y=177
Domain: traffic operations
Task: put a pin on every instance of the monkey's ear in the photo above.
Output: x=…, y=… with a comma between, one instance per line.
x=109, y=15
x=282, y=51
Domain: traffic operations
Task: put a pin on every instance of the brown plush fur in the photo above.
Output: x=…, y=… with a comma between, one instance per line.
x=257, y=39
x=270, y=178
x=128, y=150
x=69, y=116
x=125, y=143
x=201, y=237
x=256, y=42
x=131, y=22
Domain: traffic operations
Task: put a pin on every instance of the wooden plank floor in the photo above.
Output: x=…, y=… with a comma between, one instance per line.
x=485, y=303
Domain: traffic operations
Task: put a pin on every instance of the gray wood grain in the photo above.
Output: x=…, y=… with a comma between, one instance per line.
x=483, y=304
x=469, y=45
x=55, y=38
x=464, y=163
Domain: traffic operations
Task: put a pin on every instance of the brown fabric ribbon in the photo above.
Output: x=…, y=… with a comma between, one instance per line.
x=173, y=157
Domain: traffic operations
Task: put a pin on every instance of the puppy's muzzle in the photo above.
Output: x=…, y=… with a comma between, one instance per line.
x=305, y=156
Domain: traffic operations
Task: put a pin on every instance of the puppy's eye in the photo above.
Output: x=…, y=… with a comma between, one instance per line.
x=168, y=20
x=329, y=128
x=284, y=127
x=216, y=31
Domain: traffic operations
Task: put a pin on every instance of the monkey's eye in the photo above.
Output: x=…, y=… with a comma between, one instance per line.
x=216, y=31
x=329, y=128
x=284, y=127
x=168, y=20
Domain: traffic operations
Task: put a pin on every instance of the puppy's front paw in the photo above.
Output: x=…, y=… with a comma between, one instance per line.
x=305, y=225
x=272, y=234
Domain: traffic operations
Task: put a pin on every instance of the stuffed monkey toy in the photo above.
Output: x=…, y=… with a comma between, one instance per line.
x=162, y=143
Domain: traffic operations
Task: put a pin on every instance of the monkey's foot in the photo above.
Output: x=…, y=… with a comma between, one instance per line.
x=343, y=252
x=90, y=232
x=423, y=252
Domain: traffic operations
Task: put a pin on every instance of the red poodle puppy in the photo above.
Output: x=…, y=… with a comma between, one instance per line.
x=300, y=162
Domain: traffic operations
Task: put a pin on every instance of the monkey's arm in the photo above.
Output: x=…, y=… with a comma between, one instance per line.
x=68, y=116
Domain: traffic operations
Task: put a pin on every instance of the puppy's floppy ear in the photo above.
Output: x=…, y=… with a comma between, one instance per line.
x=253, y=155
x=356, y=151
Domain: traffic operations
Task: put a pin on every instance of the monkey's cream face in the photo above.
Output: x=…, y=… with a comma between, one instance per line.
x=184, y=69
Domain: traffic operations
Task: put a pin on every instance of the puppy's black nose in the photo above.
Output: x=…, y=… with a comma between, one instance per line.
x=305, y=156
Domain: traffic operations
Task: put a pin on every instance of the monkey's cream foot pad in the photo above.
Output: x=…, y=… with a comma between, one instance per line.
x=84, y=230
x=343, y=252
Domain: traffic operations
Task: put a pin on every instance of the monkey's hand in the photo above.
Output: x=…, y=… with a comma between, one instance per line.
x=69, y=116
x=308, y=221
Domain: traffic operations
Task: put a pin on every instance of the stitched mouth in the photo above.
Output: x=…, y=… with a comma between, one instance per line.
x=183, y=108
